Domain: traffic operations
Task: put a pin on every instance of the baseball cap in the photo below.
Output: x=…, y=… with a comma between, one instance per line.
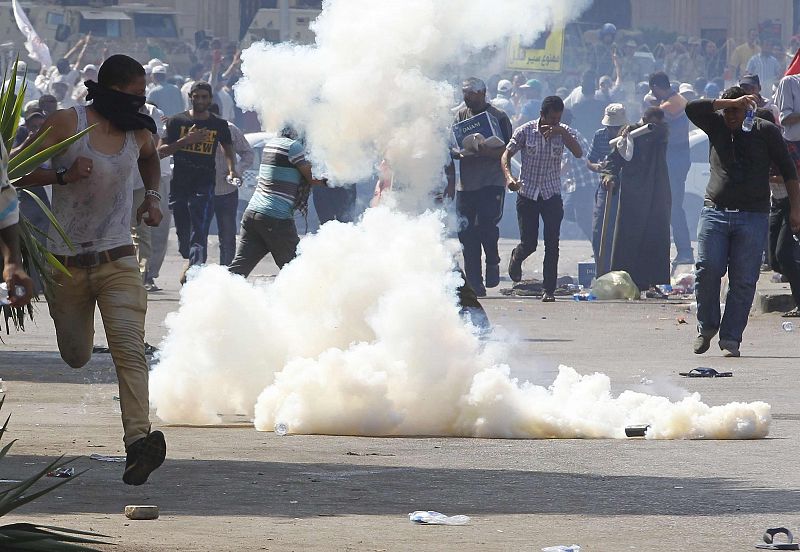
x=201, y=85
x=532, y=83
x=615, y=115
x=159, y=70
x=686, y=87
x=504, y=86
x=32, y=114
x=90, y=67
x=155, y=62
x=750, y=80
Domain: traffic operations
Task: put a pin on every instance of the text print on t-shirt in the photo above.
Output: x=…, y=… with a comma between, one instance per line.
x=205, y=147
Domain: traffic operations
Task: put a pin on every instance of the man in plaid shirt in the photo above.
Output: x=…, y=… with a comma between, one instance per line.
x=538, y=189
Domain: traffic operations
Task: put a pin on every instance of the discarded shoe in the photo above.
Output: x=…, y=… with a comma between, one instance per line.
x=769, y=540
x=143, y=457
x=705, y=373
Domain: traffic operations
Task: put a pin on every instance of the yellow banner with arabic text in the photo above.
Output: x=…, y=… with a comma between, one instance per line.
x=545, y=54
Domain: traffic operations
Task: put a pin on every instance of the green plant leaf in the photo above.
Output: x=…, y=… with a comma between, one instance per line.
x=35, y=161
x=28, y=150
x=51, y=217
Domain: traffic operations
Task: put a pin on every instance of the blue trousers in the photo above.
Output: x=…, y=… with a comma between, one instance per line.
x=225, y=207
x=192, y=209
x=733, y=242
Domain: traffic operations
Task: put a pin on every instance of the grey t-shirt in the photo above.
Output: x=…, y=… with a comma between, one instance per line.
x=95, y=212
x=479, y=172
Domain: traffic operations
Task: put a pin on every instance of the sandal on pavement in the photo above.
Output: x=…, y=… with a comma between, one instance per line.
x=794, y=313
x=705, y=373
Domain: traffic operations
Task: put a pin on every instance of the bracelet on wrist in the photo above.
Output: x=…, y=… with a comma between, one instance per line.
x=152, y=193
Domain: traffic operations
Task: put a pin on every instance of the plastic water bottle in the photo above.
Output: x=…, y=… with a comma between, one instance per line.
x=747, y=124
x=233, y=181
x=281, y=429
x=787, y=327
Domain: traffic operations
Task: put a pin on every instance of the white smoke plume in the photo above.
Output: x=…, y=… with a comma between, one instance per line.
x=371, y=87
x=361, y=334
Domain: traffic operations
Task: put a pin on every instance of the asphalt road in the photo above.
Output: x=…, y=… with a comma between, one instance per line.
x=233, y=488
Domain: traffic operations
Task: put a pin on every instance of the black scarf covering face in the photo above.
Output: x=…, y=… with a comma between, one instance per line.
x=120, y=108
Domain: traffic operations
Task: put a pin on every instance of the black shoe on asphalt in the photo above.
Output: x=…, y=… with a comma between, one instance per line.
x=492, y=275
x=144, y=457
x=514, y=270
x=548, y=298
x=701, y=344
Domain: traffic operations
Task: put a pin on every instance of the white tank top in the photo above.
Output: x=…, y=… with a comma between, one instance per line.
x=95, y=212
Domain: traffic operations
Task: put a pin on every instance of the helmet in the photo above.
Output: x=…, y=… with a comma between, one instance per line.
x=608, y=29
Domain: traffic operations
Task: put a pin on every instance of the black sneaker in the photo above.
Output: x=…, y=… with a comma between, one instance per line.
x=514, y=269
x=492, y=275
x=548, y=298
x=701, y=344
x=144, y=457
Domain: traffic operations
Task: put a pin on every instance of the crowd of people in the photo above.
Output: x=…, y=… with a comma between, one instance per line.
x=614, y=158
x=611, y=153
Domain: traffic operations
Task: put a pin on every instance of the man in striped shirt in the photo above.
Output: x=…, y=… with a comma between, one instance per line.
x=13, y=273
x=268, y=222
x=541, y=143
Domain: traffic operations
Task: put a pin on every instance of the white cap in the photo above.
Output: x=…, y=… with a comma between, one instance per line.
x=155, y=61
x=159, y=70
x=90, y=67
x=686, y=87
x=21, y=66
x=504, y=86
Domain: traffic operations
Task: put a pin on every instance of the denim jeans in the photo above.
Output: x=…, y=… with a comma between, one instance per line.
x=728, y=241
x=192, y=209
x=784, y=251
x=598, y=214
x=678, y=165
x=481, y=211
x=225, y=207
x=551, y=211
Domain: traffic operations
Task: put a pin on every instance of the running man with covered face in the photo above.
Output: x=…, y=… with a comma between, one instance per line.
x=92, y=197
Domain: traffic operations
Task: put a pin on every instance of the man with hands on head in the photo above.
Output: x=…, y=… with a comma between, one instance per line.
x=541, y=143
x=735, y=216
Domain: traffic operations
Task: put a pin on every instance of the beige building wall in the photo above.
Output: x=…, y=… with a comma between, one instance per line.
x=691, y=17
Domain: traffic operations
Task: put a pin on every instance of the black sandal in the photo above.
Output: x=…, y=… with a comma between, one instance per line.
x=794, y=313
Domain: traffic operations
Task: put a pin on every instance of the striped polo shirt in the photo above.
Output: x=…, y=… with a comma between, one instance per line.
x=278, y=178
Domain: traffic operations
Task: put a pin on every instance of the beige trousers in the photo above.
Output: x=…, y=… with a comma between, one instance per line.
x=116, y=288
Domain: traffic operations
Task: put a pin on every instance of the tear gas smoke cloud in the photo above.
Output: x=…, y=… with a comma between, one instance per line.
x=360, y=335
x=372, y=85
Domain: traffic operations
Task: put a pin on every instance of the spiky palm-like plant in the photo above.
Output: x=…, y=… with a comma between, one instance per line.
x=29, y=536
x=35, y=255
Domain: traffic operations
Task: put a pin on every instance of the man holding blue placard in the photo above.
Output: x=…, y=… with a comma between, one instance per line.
x=482, y=132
